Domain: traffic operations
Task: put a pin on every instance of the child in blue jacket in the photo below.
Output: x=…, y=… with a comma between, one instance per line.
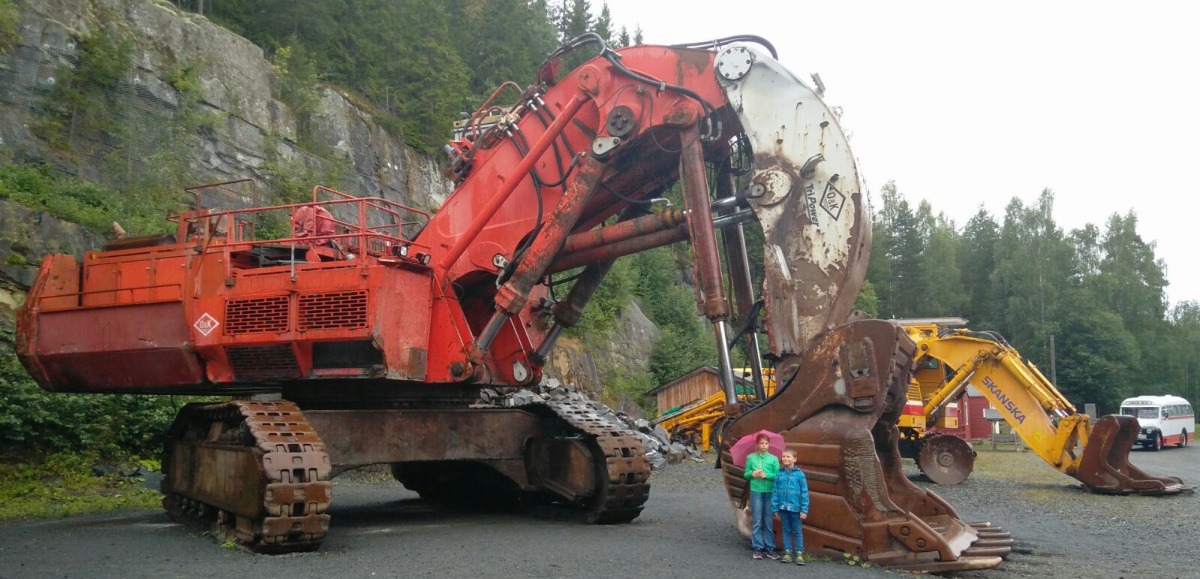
x=789, y=498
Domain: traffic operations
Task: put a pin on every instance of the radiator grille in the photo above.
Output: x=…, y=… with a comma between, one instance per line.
x=256, y=315
x=339, y=310
x=263, y=362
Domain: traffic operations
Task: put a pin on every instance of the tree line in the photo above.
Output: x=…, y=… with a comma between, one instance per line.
x=1094, y=297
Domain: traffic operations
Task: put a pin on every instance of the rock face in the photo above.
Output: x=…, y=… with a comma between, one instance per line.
x=25, y=236
x=249, y=132
x=624, y=352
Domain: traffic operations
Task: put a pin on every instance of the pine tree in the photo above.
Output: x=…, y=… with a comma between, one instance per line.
x=977, y=261
x=1034, y=265
x=623, y=39
x=1132, y=283
x=940, y=277
x=603, y=25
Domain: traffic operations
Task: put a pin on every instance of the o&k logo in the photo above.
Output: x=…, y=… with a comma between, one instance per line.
x=206, y=324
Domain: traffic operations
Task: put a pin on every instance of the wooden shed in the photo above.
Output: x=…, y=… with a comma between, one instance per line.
x=695, y=385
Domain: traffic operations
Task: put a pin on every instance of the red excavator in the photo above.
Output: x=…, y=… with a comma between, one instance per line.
x=364, y=334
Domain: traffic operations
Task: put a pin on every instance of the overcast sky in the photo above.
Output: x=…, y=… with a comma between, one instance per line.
x=970, y=103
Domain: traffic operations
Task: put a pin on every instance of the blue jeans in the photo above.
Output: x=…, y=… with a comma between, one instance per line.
x=793, y=531
x=762, y=532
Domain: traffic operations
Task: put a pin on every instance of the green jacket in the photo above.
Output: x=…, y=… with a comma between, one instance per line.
x=769, y=465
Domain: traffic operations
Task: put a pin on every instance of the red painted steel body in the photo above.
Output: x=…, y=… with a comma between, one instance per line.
x=200, y=315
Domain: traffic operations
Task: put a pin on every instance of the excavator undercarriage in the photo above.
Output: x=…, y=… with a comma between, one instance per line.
x=553, y=451
x=216, y=449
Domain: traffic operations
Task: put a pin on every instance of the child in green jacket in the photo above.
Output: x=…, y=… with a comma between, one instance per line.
x=761, y=467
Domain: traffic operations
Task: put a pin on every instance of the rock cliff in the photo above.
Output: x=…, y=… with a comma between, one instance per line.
x=249, y=132
x=249, y=129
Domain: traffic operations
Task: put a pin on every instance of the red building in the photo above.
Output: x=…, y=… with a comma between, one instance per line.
x=972, y=425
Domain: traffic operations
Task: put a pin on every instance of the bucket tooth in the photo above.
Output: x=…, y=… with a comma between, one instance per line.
x=987, y=542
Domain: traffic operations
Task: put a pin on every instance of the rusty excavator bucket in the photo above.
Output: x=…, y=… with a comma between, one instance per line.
x=1104, y=465
x=841, y=386
x=839, y=413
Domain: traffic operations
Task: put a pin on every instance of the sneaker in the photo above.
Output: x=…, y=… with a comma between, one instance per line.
x=757, y=555
x=773, y=555
x=787, y=557
x=799, y=558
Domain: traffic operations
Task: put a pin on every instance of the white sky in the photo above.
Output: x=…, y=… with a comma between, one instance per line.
x=969, y=103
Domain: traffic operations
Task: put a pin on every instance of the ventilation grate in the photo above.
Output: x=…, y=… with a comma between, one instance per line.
x=263, y=362
x=256, y=315
x=339, y=310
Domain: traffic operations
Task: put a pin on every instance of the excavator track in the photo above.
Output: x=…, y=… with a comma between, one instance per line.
x=256, y=472
x=623, y=471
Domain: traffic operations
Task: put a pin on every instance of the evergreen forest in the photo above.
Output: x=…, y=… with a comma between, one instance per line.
x=419, y=63
x=1093, y=297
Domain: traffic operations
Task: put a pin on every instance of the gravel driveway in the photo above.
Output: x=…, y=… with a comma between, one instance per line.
x=1063, y=530
x=379, y=529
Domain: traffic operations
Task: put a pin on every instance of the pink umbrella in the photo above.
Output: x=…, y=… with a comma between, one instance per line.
x=749, y=444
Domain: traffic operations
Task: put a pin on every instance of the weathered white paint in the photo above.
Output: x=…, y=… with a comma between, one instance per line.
x=807, y=194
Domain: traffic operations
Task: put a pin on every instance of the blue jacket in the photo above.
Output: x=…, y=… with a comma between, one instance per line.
x=791, y=491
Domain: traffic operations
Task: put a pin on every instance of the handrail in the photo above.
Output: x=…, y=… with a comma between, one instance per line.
x=78, y=296
x=348, y=197
x=233, y=234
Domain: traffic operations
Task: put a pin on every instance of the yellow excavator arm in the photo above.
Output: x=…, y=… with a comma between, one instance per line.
x=1095, y=454
x=696, y=418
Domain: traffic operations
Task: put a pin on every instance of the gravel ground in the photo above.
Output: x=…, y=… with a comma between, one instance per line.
x=1060, y=528
x=686, y=530
x=1063, y=530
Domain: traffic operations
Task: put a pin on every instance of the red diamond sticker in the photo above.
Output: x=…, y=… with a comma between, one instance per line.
x=206, y=324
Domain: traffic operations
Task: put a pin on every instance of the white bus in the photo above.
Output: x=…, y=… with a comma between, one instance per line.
x=1163, y=420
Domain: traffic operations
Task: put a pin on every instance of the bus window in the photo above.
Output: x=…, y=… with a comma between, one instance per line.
x=1141, y=412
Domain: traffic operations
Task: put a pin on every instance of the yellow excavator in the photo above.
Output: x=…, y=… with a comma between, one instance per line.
x=696, y=422
x=942, y=457
x=1095, y=453
x=949, y=356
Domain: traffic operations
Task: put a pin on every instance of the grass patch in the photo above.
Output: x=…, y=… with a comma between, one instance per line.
x=1019, y=466
x=64, y=484
x=72, y=199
